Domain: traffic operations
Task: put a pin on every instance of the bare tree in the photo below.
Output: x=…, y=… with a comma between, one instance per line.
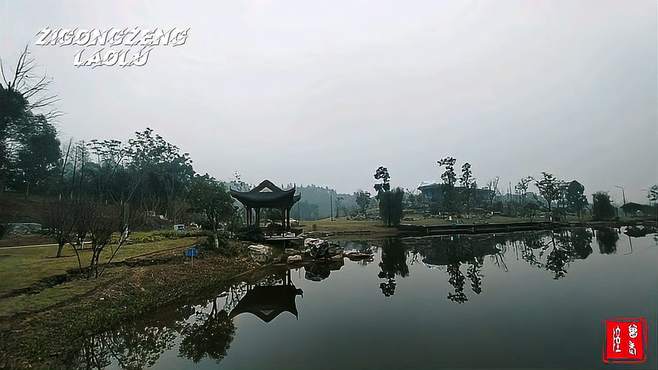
x=28, y=89
x=60, y=221
x=492, y=186
x=105, y=220
x=83, y=211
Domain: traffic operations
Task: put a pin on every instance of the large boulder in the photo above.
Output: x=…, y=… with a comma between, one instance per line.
x=294, y=259
x=317, y=248
x=357, y=255
x=260, y=253
x=322, y=249
x=335, y=251
x=23, y=228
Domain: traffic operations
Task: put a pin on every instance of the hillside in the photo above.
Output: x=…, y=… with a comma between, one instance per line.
x=14, y=207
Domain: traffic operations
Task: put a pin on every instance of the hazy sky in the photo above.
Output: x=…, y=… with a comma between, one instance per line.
x=324, y=92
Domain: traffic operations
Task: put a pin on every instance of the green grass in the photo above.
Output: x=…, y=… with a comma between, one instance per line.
x=46, y=298
x=23, y=267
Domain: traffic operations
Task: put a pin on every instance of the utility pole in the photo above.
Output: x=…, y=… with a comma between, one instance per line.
x=331, y=206
x=339, y=199
x=623, y=196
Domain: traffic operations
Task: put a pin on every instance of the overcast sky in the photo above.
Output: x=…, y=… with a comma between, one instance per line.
x=324, y=92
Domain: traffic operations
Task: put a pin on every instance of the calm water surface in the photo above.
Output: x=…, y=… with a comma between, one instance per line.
x=488, y=301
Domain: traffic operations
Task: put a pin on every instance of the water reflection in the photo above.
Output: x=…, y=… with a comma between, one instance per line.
x=463, y=256
x=607, y=238
x=133, y=346
x=453, y=252
x=321, y=270
x=268, y=301
x=393, y=263
x=209, y=335
x=206, y=328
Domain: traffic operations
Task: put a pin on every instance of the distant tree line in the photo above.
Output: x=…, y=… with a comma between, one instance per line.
x=321, y=202
x=99, y=188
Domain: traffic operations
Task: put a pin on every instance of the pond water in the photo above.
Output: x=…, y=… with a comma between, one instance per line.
x=532, y=299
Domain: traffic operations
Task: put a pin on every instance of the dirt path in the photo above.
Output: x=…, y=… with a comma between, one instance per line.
x=29, y=246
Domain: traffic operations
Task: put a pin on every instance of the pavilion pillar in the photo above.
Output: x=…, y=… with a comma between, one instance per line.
x=257, y=217
x=288, y=218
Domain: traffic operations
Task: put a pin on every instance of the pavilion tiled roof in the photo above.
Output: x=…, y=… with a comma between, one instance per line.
x=266, y=195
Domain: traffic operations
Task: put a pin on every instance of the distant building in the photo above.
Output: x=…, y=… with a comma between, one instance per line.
x=635, y=209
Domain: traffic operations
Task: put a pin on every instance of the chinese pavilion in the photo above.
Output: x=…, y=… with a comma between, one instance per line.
x=267, y=195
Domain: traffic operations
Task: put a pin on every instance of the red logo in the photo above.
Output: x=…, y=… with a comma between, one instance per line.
x=625, y=340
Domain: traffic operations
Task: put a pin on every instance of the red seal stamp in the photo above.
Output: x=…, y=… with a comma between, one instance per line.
x=625, y=340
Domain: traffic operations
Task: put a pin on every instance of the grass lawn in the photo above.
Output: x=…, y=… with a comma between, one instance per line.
x=50, y=296
x=23, y=267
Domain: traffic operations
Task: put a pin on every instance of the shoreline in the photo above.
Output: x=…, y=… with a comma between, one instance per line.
x=44, y=338
x=379, y=231
x=483, y=228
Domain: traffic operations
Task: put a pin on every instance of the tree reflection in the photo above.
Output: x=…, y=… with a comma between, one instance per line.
x=581, y=243
x=607, y=238
x=468, y=252
x=463, y=256
x=455, y=252
x=210, y=335
x=556, y=262
x=136, y=345
x=92, y=355
x=560, y=248
x=475, y=276
x=393, y=263
x=457, y=280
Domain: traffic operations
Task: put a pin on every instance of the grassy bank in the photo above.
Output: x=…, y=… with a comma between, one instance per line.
x=343, y=226
x=38, y=329
x=23, y=267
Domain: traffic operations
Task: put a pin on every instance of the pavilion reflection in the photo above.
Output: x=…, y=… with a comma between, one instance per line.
x=267, y=301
